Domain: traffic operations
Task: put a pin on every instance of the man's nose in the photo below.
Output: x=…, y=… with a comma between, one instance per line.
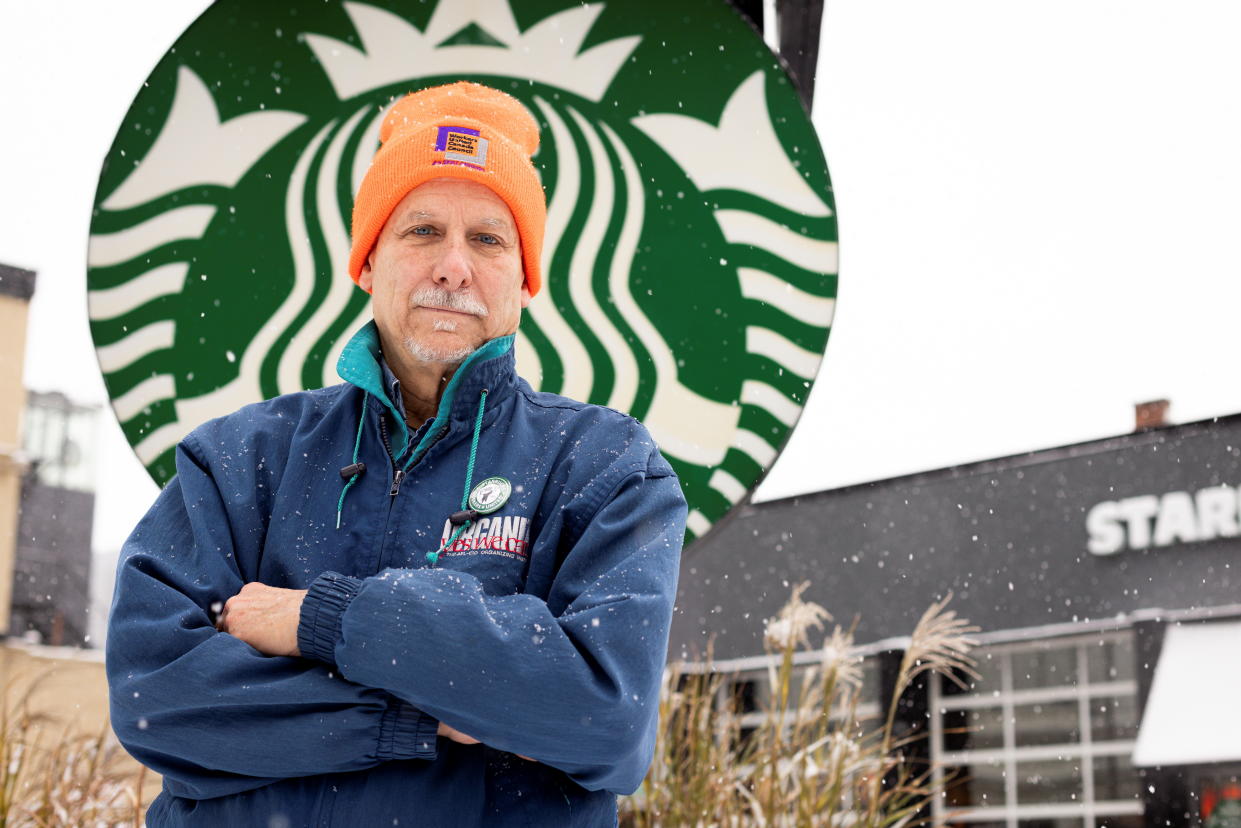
x=453, y=271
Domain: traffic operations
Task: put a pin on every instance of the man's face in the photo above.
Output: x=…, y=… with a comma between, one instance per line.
x=445, y=273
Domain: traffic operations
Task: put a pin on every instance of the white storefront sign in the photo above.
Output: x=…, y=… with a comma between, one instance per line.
x=1148, y=521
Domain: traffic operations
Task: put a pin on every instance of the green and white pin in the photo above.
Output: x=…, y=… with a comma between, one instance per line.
x=490, y=495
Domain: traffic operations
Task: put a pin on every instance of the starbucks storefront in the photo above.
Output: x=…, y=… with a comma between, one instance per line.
x=1104, y=578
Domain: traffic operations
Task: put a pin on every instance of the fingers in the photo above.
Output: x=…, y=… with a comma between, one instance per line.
x=222, y=610
x=221, y=621
x=455, y=735
x=247, y=591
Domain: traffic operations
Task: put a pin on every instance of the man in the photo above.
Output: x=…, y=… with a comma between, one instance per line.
x=426, y=596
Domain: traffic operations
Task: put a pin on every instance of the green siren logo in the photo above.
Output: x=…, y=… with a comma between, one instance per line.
x=690, y=257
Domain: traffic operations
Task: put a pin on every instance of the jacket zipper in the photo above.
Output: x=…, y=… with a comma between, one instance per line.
x=399, y=475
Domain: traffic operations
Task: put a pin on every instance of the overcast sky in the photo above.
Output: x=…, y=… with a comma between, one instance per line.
x=1038, y=221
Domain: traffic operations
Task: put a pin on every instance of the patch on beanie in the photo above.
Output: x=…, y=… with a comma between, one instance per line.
x=461, y=145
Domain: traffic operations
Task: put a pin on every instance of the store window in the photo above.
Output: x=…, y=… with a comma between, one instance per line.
x=1043, y=739
x=748, y=692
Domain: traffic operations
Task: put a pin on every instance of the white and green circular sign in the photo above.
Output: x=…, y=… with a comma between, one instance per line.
x=690, y=257
x=490, y=495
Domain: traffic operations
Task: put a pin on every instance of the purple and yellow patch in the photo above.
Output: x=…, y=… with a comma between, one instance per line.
x=462, y=146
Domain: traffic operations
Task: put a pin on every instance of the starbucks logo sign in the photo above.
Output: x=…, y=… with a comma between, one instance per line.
x=690, y=256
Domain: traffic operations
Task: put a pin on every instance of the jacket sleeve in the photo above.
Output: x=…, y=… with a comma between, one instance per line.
x=572, y=681
x=203, y=708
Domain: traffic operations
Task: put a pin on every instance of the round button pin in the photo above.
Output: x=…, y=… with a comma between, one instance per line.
x=490, y=495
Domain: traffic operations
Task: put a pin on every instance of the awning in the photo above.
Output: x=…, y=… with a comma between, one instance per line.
x=1193, y=715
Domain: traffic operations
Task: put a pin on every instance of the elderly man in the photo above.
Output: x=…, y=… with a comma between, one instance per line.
x=428, y=595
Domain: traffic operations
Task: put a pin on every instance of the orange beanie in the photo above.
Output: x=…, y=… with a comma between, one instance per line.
x=461, y=130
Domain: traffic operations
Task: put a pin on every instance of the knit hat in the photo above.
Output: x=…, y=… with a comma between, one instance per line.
x=461, y=130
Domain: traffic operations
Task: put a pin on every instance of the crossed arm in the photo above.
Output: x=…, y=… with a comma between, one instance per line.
x=267, y=617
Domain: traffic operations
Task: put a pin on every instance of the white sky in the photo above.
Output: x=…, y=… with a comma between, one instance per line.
x=1038, y=220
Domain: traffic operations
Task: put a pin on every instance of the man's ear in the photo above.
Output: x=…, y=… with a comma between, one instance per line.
x=366, y=279
x=525, y=294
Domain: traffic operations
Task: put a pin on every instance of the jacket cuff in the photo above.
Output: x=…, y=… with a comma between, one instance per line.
x=406, y=733
x=318, y=626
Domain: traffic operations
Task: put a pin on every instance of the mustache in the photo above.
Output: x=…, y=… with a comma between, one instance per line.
x=436, y=297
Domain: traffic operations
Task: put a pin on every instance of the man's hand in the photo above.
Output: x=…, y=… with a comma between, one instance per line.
x=457, y=736
x=454, y=734
x=264, y=617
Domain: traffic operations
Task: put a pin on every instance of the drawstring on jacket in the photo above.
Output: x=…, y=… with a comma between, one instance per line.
x=469, y=473
x=357, y=442
x=469, y=480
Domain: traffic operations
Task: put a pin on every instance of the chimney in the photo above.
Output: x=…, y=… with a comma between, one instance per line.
x=1151, y=414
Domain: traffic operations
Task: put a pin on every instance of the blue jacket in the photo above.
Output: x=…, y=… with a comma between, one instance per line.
x=540, y=629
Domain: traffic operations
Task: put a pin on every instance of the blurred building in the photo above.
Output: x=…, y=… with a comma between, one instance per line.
x=47, y=472
x=16, y=288
x=51, y=576
x=1106, y=579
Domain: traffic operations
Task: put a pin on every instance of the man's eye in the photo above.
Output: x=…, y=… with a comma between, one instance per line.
x=422, y=230
x=487, y=238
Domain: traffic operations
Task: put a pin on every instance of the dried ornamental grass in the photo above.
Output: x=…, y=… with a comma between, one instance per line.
x=813, y=761
x=63, y=778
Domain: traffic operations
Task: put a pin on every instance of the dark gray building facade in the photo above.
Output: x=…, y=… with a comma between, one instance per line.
x=51, y=574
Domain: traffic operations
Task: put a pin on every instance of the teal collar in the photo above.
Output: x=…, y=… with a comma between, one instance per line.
x=490, y=367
